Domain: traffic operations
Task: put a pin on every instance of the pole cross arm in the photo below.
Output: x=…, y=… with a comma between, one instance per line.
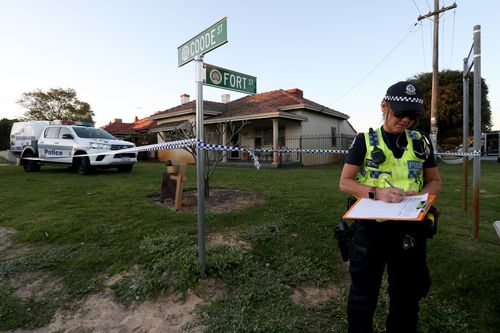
x=421, y=17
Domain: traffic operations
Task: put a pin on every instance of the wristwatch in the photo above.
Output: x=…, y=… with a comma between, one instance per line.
x=372, y=193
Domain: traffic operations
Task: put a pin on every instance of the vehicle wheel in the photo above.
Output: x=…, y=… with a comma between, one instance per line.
x=30, y=165
x=125, y=168
x=83, y=166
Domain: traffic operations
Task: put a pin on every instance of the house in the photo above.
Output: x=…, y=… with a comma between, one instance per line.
x=118, y=128
x=275, y=119
x=137, y=132
x=491, y=143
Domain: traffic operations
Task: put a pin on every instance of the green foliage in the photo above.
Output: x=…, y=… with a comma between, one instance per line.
x=16, y=313
x=5, y=126
x=170, y=263
x=56, y=103
x=35, y=261
x=33, y=312
x=450, y=105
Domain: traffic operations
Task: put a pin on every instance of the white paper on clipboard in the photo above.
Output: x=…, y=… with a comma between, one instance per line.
x=408, y=209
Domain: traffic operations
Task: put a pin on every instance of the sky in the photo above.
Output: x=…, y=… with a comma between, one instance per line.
x=121, y=55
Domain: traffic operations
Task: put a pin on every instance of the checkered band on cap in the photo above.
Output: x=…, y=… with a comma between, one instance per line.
x=403, y=99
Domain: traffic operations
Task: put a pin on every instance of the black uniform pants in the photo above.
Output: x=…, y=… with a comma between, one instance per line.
x=376, y=245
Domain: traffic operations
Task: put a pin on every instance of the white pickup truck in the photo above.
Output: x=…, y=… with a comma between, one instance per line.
x=60, y=143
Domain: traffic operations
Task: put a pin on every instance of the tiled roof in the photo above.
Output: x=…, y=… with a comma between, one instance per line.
x=143, y=124
x=168, y=125
x=267, y=102
x=118, y=127
x=191, y=105
x=272, y=101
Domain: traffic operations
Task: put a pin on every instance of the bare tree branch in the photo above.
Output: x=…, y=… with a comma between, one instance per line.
x=213, y=158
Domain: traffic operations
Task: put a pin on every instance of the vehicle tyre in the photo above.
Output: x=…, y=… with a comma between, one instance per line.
x=125, y=167
x=30, y=165
x=82, y=165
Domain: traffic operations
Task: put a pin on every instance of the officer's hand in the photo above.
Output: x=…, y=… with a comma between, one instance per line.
x=407, y=193
x=392, y=194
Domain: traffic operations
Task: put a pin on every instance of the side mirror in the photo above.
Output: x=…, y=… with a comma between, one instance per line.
x=67, y=136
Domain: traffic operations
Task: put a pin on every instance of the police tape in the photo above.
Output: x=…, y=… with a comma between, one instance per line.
x=253, y=152
x=459, y=154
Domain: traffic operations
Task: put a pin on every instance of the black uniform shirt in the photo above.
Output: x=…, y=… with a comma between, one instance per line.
x=396, y=143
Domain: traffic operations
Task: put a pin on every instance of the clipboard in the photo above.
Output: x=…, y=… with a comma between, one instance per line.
x=411, y=208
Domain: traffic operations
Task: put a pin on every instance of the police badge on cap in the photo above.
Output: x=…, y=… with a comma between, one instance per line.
x=405, y=96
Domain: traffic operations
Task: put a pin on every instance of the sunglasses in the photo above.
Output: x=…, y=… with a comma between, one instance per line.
x=402, y=114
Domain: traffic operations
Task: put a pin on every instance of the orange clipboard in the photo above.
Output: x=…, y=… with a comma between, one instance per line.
x=363, y=209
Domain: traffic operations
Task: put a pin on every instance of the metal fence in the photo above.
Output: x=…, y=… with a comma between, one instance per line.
x=339, y=142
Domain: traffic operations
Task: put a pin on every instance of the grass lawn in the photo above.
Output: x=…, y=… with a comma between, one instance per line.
x=79, y=230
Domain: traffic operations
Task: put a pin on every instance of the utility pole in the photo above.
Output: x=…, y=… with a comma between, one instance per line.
x=435, y=68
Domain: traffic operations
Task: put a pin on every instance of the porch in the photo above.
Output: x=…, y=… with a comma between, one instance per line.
x=265, y=161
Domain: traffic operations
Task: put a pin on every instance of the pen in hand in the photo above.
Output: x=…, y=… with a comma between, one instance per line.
x=394, y=194
x=392, y=186
x=388, y=182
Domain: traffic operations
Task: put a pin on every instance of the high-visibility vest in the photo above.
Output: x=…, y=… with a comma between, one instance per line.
x=405, y=172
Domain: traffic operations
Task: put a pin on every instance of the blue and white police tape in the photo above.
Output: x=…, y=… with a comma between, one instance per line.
x=252, y=151
x=459, y=154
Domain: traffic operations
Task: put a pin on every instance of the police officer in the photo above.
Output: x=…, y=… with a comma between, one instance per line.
x=387, y=164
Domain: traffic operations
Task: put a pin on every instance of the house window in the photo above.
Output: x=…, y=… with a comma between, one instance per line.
x=264, y=137
x=334, y=136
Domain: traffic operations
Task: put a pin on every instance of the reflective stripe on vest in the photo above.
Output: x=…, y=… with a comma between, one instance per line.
x=405, y=172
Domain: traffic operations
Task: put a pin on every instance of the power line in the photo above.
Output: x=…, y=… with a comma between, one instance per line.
x=418, y=10
x=435, y=74
x=423, y=44
x=441, y=16
x=428, y=7
x=421, y=33
x=453, y=36
x=444, y=19
x=376, y=66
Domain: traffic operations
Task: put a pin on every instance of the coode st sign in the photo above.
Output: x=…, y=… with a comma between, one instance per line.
x=207, y=40
x=227, y=79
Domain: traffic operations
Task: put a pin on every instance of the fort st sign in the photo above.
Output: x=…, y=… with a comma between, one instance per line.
x=227, y=79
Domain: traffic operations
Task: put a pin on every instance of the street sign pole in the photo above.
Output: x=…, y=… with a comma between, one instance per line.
x=200, y=163
x=194, y=49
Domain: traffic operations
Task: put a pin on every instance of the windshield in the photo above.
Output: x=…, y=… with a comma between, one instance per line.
x=92, y=133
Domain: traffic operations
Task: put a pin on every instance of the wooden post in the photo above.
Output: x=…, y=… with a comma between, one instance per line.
x=179, y=178
x=167, y=187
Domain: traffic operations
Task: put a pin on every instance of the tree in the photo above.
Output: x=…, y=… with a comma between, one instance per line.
x=57, y=103
x=450, y=105
x=5, y=126
x=229, y=130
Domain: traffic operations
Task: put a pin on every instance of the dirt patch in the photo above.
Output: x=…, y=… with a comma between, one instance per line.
x=99, y=313
x=7, y=249
x=34, y=285
x=231, y=240
x=221, y=200
x=167, y=313
x=315, y=295
x=5, y=236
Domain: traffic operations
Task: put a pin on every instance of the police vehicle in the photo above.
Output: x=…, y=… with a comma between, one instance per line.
x=66, y=143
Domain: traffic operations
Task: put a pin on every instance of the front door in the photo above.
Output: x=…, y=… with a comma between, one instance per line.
x=235, y=141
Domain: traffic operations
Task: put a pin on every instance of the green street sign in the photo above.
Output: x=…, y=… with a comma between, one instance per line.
x=207, y=40
x=227, y=79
